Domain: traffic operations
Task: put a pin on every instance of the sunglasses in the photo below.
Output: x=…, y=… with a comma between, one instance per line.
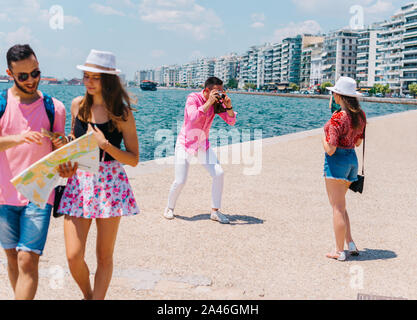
x=22, y=77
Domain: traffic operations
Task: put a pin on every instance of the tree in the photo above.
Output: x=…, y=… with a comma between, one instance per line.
x=380, y=88
x=294, y=87
x=324, y=86
x=248, y=86
x=413, y=88
x=232, y=84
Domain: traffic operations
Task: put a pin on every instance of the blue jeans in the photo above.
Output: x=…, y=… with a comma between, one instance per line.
x=343, y=165
x=24, y=228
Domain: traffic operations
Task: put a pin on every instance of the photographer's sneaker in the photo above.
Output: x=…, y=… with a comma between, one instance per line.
x=169, y=214
x=219, y=217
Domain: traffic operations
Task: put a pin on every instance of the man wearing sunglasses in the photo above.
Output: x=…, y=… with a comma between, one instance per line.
x=24, y=226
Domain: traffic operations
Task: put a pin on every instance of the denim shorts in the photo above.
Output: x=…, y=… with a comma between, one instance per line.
x=24, y=228
x=343, y=165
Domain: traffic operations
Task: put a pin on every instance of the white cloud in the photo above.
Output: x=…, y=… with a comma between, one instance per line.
x=258, y=20
x=294, y=29
x=381, y=6
x=257, y=25
x=374, y=10
x=72, y=20
x=181, y=16
x=258, y=17
x=29, y=11
x=126, y=3
x=106, y=10
x=23, y=35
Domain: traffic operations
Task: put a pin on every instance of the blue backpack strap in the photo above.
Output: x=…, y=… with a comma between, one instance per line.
x=47, y=100
x=3, y=102
x=50, y=109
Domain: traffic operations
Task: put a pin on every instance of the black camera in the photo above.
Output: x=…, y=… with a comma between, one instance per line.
x=218, y=106
x=221, y=96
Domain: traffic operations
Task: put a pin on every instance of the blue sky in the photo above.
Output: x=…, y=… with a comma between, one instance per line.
x=148, y=33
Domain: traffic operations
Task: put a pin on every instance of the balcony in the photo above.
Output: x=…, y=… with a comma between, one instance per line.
x=410, y=34
x=392, y=30
x=361, y=69
x=410, y=69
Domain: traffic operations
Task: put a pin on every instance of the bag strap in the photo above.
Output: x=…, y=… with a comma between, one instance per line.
x=363, y=153
x=3, y=102
x=47, y=101
x=50, y=109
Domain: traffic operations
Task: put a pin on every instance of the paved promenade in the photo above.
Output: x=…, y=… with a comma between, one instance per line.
x=280, y=232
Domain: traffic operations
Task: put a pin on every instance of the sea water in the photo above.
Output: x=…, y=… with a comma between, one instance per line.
x=161, y=112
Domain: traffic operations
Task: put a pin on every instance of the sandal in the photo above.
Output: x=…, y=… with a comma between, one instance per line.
x=339, y=256
x=353, y=250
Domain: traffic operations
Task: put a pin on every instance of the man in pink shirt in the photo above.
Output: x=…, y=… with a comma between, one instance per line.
x=200, y=110
x=24, y=226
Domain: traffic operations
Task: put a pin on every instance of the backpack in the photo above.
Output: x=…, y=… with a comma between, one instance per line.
x=47, y=101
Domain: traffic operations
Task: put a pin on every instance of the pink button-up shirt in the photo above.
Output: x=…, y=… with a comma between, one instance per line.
x=195, y=131
x=17, y=119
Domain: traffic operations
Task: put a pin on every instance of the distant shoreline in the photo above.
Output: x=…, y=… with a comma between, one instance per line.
x=317, y=96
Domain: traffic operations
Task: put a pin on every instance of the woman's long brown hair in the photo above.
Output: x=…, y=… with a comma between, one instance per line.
x=117, y=99
x=354, y=110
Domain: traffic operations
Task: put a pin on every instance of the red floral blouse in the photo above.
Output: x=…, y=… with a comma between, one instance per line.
x=340, y=133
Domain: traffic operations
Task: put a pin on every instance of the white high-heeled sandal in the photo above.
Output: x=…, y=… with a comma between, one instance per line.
x=353, y=251
x=341, y=257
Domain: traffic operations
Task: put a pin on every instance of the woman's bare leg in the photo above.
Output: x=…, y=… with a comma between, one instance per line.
x=106, y=240
x=76, y=231
x=336, y=191
x=348, y=230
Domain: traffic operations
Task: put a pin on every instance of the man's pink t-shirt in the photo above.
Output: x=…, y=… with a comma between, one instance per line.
x=195, y=131
x=19, y=118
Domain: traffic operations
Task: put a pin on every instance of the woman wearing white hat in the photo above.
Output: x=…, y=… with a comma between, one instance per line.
x=106, y=110
x=343, y=133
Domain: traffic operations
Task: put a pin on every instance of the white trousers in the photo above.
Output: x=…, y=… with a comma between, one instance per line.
x=182, y=164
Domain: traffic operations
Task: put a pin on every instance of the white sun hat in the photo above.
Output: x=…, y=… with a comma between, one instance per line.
x=345, y=86
x=100, y=62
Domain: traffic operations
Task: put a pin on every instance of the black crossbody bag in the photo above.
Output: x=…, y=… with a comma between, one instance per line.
x=59, y=190
x=358, y=185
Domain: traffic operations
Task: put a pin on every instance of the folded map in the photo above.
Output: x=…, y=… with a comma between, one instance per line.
x=38, y=181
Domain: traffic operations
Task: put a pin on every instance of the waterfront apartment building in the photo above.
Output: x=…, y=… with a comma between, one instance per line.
x=291, y=60
x=249, y=68
x=171, y=76
x=187, y=74
x=390, y=52
x=143, y=75
x=276, y=62
x=366, y=56
x=205, y=69
x=265, y=66
x=226, y=68
x=339, y=56
x=311, y=45
x=384, y=53
x=409, y=47
x=316, y=69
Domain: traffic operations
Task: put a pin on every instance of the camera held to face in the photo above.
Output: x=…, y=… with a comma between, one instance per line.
x=218, y=106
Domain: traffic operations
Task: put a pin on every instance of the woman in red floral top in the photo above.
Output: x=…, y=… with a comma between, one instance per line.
x=344, y=131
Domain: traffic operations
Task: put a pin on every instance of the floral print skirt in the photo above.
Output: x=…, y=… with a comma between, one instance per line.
x=99, y=196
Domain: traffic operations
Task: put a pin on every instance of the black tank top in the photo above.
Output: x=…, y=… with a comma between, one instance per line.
x=115, y=137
